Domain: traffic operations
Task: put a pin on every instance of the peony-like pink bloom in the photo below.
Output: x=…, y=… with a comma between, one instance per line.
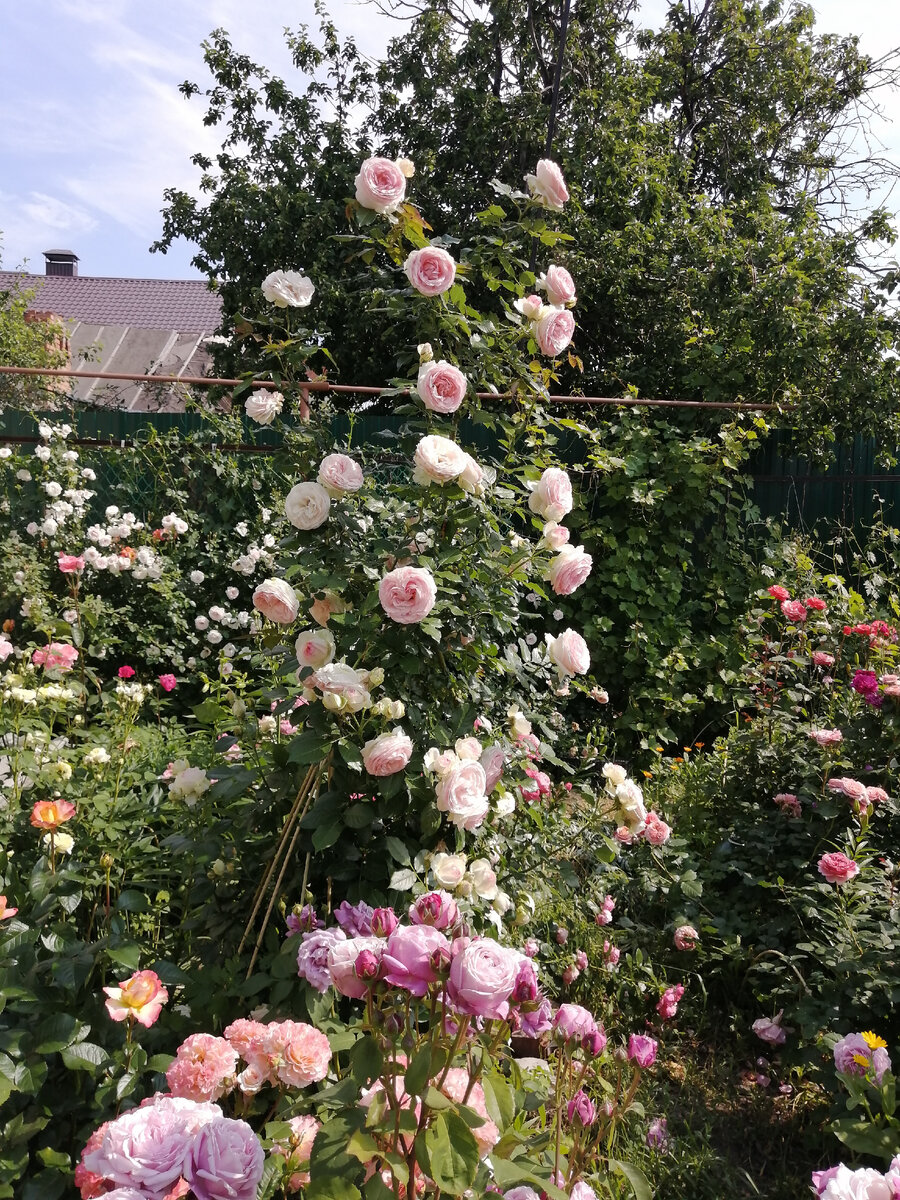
x=407, y=594
x=342, y=963
x=276, y=600
x=794, y=610
x=482, y=977
x=769, y=1029
x=559, y=286
x=459, y=1087
x=388, y=753
x=431, y=270
x=380, y=185
x=865, y=1183
x=139, y=998
x=299, y=1054
x=168, y=683
x=203, y=1069
x=777, y=592
x=686, y=937
x=667, y=1005
x=656, y=831
x=547, y=185
x=642, y=1050
x=876, y=795
x=415, y=957
x=569, y=653
x=551, y=496
x=70, y=564
x=339, y=474
x=226, y=1161
x=826, y=737
x=57, y=656
x=569, y=569
x=582, y=1191
x=852, y=788
x=441, y=386
x=554, y=331
x=297, y=1149
x=312, y=957
x=838, y=868
x=462, y=796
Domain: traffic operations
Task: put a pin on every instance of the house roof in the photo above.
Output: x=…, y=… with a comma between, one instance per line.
x=183, y=304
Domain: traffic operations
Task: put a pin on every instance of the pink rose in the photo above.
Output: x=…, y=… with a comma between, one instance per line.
x=847, y=1053
x=462, y=796
x=551, y=496
x=547, y=185
x=168, y=683
x=482, y=977
x=569, y=653
x=441, y=386
x=642, y=1050
x=413, y=956
x=342, y=964
x=656, y=831
x=438, y=460
x=407, y=594
x=876, y=795
x=864, y=1183
x=226, y=1161
x=70, y=563
x=437, y=909
x=301, y=1054
x=139, y=998
x=852, y=788
x=275, y=599
x=822, y=659
x=203, y=1069
x=559, y=286
x=6, y=648
x=554, y=331
x=555, y=536
x=838, y=868
x=57, y=656
x=339, y=474
x=572, y=1022
x=314, y=648
x=770, y=1030
x=794, y=610
x=380, y=185
x=388, y=753
x=430, y=270
x=686, y=937
x=826, y=737
x=493, y=760
x=569, y=569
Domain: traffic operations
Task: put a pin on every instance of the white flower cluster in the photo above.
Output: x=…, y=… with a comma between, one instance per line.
x=255, y=555
x=628, y=796
x=187, y=783
x=131, y=693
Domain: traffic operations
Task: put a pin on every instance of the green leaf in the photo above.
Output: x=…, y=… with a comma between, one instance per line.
x=334, y=1187
x=398, y=851
x=498, y=1099
x=450, y=1152
x=418, y=1072
x=366, y=1060
x=209, y=712
x=55, y=1033
x=635, y=1176
x=132, y=900
x=84, y=1056
x=865, y=1138
x=402, y=880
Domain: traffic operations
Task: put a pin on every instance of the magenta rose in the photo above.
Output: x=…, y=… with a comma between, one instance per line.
x=226, y=1162
x=441, y=386
x=838, y=868
x=407, y=594
x=559, y=286
x=430, y=270
x=482, y=978
x=388, y=753
x=412, y=957
x=547, y=185
x=275, y=599
x=380, y=185
x=569, y=569
x=642, y=1050
x=554, y=331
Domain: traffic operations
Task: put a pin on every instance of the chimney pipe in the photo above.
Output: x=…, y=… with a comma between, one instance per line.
x=60, y=262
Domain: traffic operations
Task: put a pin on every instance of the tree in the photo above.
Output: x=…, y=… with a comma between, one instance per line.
x=28, y=339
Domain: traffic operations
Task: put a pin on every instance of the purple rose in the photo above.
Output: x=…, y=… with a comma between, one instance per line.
x=572, y=1022
x=535, y=1021
x=355, y=919
x=581, y=1108
x=642, y=1050
x=226, y=1162
x=407, y=960
x=312, y=957
x=482, y=978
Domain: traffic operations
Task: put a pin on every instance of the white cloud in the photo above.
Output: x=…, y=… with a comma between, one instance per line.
x=56, y=214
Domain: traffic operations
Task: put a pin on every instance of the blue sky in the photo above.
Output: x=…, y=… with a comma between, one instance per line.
x=93, y=127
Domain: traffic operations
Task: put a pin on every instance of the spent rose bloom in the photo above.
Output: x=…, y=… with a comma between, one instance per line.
x=314, y=648
x=438, y=460
x=554, y=330
x=569, y=653
x=306, y=505
x=461, y=795
x=838, y=868
x=203, y=1068
x=339, y=474
x=413, y=956
x=686, y=937
x=343, y=688
x=431, y=270
x=140, y=998
x=547, y=185
x=388, y=753
x=226, y=1161
x=287, y=289
x=50, y=814
x=275, y=599
x=57, y=656
x=559, y=286
x=569, y=569
x=482, y=977
x=769, y=1029
x=380, y=185
x=263, y=406
x=531, y=307
x=441, y=386
x=407, y=594
x=667, y=1005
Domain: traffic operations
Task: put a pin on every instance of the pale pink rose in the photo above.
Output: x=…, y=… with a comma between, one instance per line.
x=656, y=831
x=686, y=937
x=438, y=460
x=413, y=957
x=569, y=653
x=57, y=656
x=276, y=600
x=314, y=648
x=624, y=835
x=380, y=185
x=342, y=964
x=826, y=737
x=531, y=307
x=555, y=536
x=582, y=1191
x=306, y=505
x=6, y=648
x=838, y=868
x=471, y=477
x=468, y=749
x=551, y=496
x=388, y=753
x=851, y=788
x=204, y=1068
x=864, y=1183
x=569, y=569
x=247, y=1038
x=339, y=474
x=69, y=564
x=572, y=1022
x=431, y=270
x=297, y=1149
x=770, y=1030
x=554, y=331
x=458, y=1085
x=493, y=759
x=343, y=688
x=461, y=795
x=300, y=1054
x=547, y=185
x=407, y=594
x=287, y=289
x=448, y=869
x=263, y=406
x=559, y=286
x=876, y=795
x=441, y=386
x=482, y=977
x=484, y=879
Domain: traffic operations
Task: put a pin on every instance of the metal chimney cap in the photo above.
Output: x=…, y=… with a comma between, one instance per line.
x=68, y=255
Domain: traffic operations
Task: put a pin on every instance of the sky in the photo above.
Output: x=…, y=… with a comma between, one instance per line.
x=93, y=127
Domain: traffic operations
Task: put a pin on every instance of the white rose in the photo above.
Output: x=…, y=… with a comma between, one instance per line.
x=448, y=869
x=306, y=505
x=614, y=774
x=263, y=406
x=631, y=804
x=468, y=749
x=484, y=879
x=338, y=681
x=461, y=795
x=314, y=648
x=438, y=460
x=288, y=289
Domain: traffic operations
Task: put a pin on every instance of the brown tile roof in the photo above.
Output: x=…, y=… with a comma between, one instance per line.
x=183, y=304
